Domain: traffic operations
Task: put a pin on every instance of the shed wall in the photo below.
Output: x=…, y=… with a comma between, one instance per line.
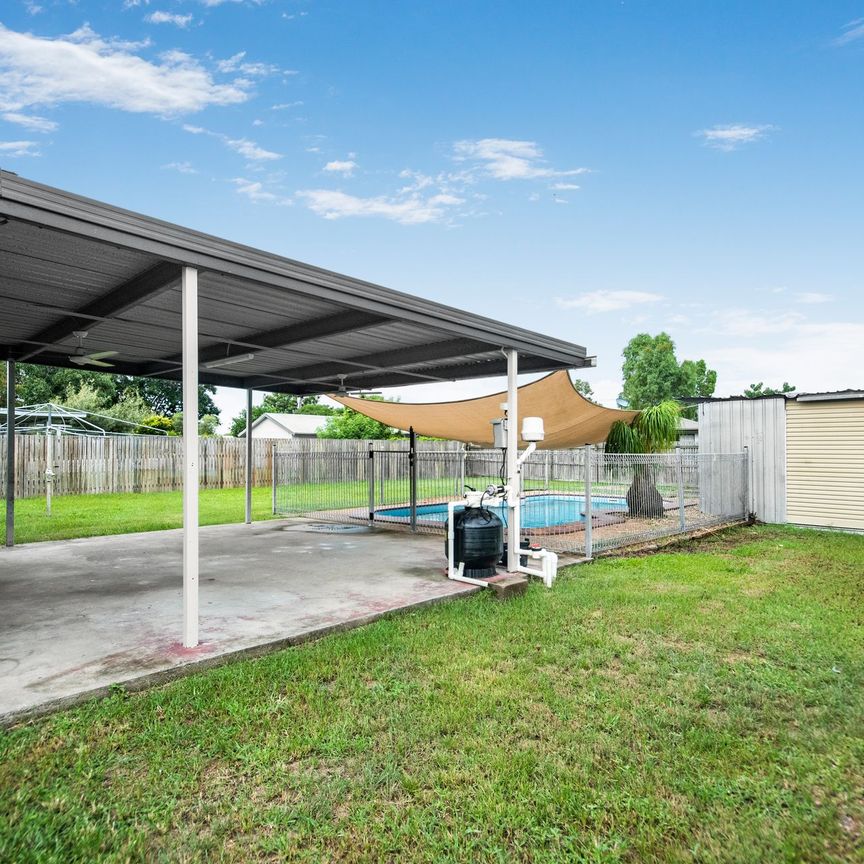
x=760, y=425
x=825, y=463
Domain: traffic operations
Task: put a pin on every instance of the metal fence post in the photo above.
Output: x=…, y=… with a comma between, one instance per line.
x=682, y=522
x=589, y=532
x=748, y=503
x=273, y=475
x=462, y=461
x=412, y=476
x=371, y=477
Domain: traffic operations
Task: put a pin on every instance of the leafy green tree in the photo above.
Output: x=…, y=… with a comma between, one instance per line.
x=347, y=423
x=652, y=373
x=583, y=387
x=756, y=390
x=129, y=409
x=157, y=421
x=166, y=397
x=653, y=430
x=281, y=403
x=206, y=424
x=37, y=384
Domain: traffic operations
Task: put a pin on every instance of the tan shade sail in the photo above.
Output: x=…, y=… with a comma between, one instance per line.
x=570, y=420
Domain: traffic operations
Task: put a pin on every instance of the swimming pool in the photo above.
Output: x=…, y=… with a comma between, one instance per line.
x=538, y=511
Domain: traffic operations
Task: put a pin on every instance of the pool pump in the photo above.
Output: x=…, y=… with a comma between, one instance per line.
x=475, y=534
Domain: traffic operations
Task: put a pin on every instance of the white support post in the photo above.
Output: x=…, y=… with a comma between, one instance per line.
x=513, y=478
x=10, y=452
x=190, y=456
x=248, y=457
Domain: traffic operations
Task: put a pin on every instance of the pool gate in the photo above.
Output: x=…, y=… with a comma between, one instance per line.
x=404, y=485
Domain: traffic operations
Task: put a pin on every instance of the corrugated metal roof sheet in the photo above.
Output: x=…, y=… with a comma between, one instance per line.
x=67, y=260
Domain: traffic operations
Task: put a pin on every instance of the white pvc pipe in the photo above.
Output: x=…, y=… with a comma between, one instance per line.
x=513, y=526
x=189, y=287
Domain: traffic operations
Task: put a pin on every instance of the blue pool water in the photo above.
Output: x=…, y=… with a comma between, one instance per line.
x=538, y=511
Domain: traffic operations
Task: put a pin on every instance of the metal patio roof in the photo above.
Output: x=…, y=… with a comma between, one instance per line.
x=70, y=263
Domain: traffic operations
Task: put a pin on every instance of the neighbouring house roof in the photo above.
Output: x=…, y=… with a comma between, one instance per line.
x=293, y=424
x=685, y=424
x=570, y=419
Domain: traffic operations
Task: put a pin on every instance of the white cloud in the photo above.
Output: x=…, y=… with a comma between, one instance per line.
x=84, y=67
x=285, y=106
x=412, y=210
x=504, y=159
x=344, y=167
x=733, y=136
x=30, y=121
x=254, y=190
x=159, y=17
x=238, y=63
x=752, y=322
x=565, y=186
x=246, y=148
x=608, y=301
x=812, y=297
x=19, y=148
x=32, y=8
x=180, y=167
x=852, y=31
x=214, y=3
x=837, y=346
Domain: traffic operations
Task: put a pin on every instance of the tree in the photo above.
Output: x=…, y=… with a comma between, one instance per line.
x=583, y=387
x=652, y=373
x=280, y=403
x=756, y=390
x=347, y=423
x=37, y=384
x=129, y=409
x=166, y=397
x=206, y=424
x=653, y=430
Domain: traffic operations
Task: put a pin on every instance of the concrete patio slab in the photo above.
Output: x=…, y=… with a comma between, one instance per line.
x=79, y=615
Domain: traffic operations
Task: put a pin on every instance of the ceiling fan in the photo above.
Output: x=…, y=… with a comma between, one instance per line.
x=82, y=358
x=345, y=391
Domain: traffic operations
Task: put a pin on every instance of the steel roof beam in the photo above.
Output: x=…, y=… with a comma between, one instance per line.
x=62, y=211
x=292, y=334
x=380, y=361
x=124, y=296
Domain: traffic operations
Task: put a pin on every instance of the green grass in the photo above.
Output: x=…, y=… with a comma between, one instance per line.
x=123, y=513
x=701, y=705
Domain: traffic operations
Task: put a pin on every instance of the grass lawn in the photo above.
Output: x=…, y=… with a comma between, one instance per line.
x=706, y=704
x=123, y=513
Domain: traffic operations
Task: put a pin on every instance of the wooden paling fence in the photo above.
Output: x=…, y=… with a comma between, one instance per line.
x=148, y=463
x=134, y=463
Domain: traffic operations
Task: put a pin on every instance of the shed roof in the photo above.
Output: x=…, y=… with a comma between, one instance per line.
x=70, y=263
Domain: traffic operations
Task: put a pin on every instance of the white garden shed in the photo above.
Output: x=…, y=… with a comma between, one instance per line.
x=806, y=454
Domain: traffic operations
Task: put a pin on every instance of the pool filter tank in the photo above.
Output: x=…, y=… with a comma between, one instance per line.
x=478, y=538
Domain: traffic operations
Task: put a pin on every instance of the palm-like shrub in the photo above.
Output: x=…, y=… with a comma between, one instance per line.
x=653, y=430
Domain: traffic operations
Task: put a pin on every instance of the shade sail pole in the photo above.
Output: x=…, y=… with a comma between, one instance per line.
x=249, y=457
x=189, y=287
x=513, y=527
x=10, y=452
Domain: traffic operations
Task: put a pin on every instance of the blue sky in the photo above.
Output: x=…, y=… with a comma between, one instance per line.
x=589, y=170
